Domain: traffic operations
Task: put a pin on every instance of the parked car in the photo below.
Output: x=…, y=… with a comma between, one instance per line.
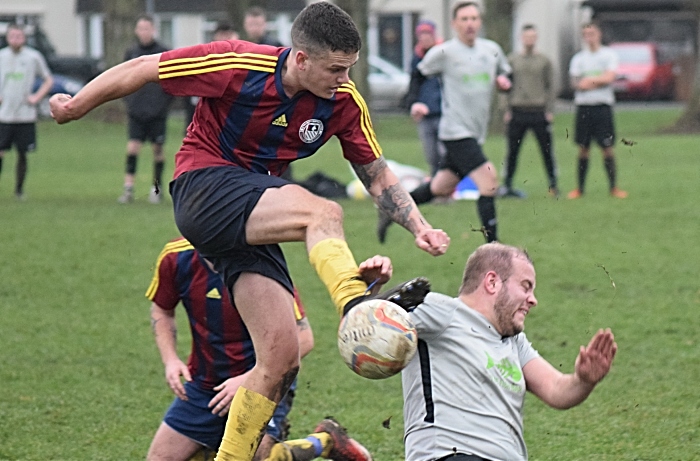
x=387, y=84
x=641, y=74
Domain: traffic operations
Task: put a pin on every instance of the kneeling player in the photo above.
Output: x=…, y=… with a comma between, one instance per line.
x=222, y=355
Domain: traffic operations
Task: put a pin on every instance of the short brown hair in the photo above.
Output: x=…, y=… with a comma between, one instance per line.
x=495, y=257
x=322, y=27
x=459, y=5
x=255, y=12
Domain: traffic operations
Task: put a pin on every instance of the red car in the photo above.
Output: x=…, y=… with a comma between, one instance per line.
x=641, y=75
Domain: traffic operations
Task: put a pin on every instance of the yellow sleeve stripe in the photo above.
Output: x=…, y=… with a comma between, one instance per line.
x=170, y=247
x=216, y=62
x=365, y=121
x=297, y=312
x=215, y=69
x=263, y=57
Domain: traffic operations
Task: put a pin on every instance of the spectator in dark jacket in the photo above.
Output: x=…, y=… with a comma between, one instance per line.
x=424, y=98
x=147, y=109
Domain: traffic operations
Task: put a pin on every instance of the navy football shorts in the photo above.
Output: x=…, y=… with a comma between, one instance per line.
x=595, y=122
x=194, y=419
x=22, y=135
x=151, y=130
x=212, y=206
x=463, y=156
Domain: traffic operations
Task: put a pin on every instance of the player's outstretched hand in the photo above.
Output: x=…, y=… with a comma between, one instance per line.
x=376, y=269
x=433, y=241
x=57, y=105
x=175, y=369
x=594, y=361
x=221, y=402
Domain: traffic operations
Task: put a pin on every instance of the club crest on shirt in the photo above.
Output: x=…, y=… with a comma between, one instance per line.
x=311, y=130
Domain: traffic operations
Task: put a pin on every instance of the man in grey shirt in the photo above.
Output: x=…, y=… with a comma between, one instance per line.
x=465, y=388
x=20, y=66
x=470, y=67
x=592, y=71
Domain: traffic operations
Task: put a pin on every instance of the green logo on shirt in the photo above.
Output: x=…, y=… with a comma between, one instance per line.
x=476, y=79
x=14, y=76
x=508, y=374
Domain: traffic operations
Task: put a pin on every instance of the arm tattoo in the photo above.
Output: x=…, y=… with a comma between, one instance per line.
x=303, y=324
x=393, y=199
x=154, y=321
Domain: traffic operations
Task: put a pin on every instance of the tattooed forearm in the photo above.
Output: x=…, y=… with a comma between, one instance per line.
x=392, y=199
x=303, y=324
x=395, y=201
x=368, y=173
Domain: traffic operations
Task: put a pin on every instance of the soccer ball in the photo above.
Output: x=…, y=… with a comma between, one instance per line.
x=377, y=339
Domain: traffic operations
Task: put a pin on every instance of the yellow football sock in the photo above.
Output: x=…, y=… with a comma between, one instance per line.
x=336, y=266
x=306, y=450
x=280, y=452
x=247, y=418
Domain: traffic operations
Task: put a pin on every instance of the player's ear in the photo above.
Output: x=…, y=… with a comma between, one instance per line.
x=300, y=59
x=490, y=282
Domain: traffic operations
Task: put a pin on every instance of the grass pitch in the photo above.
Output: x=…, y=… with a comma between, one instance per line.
x=81, y=377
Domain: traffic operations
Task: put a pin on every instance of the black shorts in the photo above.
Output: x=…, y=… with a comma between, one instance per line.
x=463, y=156
x=212, y=206
x=152, y=130
x=21, y=135
x=595, y=122
x=462, y=457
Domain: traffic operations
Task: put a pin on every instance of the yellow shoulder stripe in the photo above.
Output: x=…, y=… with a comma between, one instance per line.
x=297, y=312
x=216, y=62
x=365, y=120
x=177, y=246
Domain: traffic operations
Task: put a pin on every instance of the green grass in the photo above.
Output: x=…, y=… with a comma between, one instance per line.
x=81, y=377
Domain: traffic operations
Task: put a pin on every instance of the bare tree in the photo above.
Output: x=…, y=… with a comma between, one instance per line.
x=120, y=19
x=689, y=121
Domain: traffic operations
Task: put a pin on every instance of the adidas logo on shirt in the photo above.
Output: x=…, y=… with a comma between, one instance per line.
x=214, y=294
x=280, y=121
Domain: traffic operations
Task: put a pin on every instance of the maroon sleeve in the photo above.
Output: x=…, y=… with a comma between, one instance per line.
x=200, y=70
x=357, y=138
x=163, y=291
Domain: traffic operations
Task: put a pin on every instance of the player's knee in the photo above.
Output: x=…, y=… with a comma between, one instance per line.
x=329, y=210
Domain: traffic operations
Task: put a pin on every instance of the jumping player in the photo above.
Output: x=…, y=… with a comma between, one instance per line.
x=262, y=108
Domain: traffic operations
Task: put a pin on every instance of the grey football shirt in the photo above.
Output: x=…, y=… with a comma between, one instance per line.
x=590, y=64
x=464, y=390
x=17, y=74
x=468, y=78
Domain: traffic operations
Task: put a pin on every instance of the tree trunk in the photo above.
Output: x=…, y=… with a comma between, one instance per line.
x=119, y=23
x=359, y=11
x=690, y=120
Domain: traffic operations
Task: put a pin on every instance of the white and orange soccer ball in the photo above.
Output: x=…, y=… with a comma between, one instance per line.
x=377, y=339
